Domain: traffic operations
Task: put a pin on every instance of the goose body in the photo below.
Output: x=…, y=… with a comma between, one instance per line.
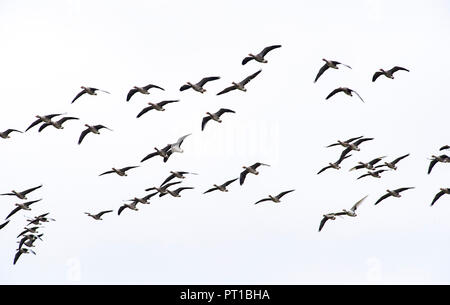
x=88, y=90
x=442, y=192
x=276, y=198
x=346, y=90
x=240, y=85
x=199, y=86
x=393, y=193
x=388, y=73
x=328, y=64
x=22, y=206
x=57, y=124
x=5, y=134
x=222, y=187
x=119, y=171
x=260, y=56
x=436, y=159
x=143, y=90
x=176, y=174
x=157, y=106
x=251, y=170
x=22, y=194
x=98, y=216
x=215, y=116
x=95, y=129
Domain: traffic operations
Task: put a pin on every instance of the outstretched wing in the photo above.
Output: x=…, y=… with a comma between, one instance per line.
x=131, y=93
x=30, y=190
x=228, y=89
x=376, y=75
x=397, y=68
x=224, y=110
x=145, y=110
x=204, y=121
x=83, y=134
x=229, y=182
x=432, y=164
x=262, y=200
x=210, y=190
x=121, y=209
x=358, y=95
x=149, y=156
x=67, y=118
x=105, y=173
x=4, y=224
x=322, y=223
x=333, y=92
x=438, y=195
x=399, y=158
x=321, y=71
x=167, y=102
x=268, y=49
x=33, y=124
x=358, y=203
x=249, y=78
x=13, y=212
x=128, y=168
x=207, y=79
x=284, y=193
x=152, y=86
x=382, y=198
x=246, y=60
x=78, y=95
x=185, y=87
x=104, y=212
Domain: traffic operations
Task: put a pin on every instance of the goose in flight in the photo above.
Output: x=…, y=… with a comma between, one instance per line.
x=131, y=206
x=28, y=240
x=344, y=143
x=157, y=106
x=143, y=90
x=436, y=159
x=440, y=194
x=392, y=165
x=388, y=73
x=352, y=211
x=32, y=230
x=275, y=199
x=176, y=193
x=143, y=200
x=222, y=187
x=368, y=165
x=23, y=194
x=159, y=152
x=329, y=64
x=240, y=85
x=43, y=118
x=88, y=90
x=394, y=193
x=354, y=146
x=176, y=174
x=57, y=124
x=199, y=86
x=445, y=147
x=335, y=165
x=346, y=90
x=375, y=174
x=119, y=171
x=94, y=129
x=260, y=56
x=251, y=170
x=176, y=147
x=162, y=190
x=22, y=206
x=99, y=215
x=5, y=134
x=22, y=251
x=215, y=116
x=4, y=224
x=38, y=219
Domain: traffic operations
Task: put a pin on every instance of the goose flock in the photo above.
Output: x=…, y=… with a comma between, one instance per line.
x=173, y=184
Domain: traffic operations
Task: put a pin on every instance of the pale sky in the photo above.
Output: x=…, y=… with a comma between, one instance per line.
x=51, y=48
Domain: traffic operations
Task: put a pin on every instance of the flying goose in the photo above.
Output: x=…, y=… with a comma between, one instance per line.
x=4, y=224
x=240, y=85
x=22, y=206
x=23, y=194
x=43, y=118
x=94, y=129
x=32, y=230
x=88, y=90
x=38, y=219
x=199, y=86
x=275, y=199
x=369, y=165
x=328, y=64
x=354, y=146
x=445, y=147
x=28, y=240
x=143, y=90
x=131, y=206
x=119, y=171
x=388, y=73
x=5, y=134
x=215, y=116
x=352, y=212
x=334, y=165
x=157, y=106
x=260, y=56
x=395, y=193
x=251, y=170
x=392, y=165
x=22, y=251
x=175, y=147
x=440, y=193
x=375, y=174
x=176, y=193
x=222, y=187
x=159, y=152
x=162, y=189
x=57, y=124
x=436, y=159
x=176, y=174
x=346, y=90
x=143, y=200
x=99, y=215
x=344, y=143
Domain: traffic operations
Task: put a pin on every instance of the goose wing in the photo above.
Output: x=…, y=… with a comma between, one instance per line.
x=180, y=140
x=268, y=49
x=152, y=86
x=185, y=87
x=8, y=131
x=322, y=222
x=242, y=176
x=30, y=190
x=207, y=79
x=262, y=200
x=151, y=155
x=246, y=60
x=357, y=95
x=105, y=173
x=257, y=164
x=43, y=126
x=104, y=212
x=403, y=189
x=128, y=168
x=228, y=89
x=321, y=71
x=121, y=209
x=224, y=110
x=362, y=140
x=358, y=203
x=376, y=75
x=178, y=190
x=339, y=63
x=78, y=95
x=324, y=169
x=167, y=102
x=382, y=198
x=432, y=164
x=4, y=224
x=210, y=190
x=229, y=182
x=362, y=176
x=399, y=158
x=333, y=92
x=284, y=193
x=131, y=93
x=145, y=110
x=168, y=179
x=13, y=212
x=249, y=78
x=445, y=147
x=83, y=134
x=67, y=118
x=16, y=257
x=376, y=160
x=438, y=195
x=34, y=124
x=397, y=68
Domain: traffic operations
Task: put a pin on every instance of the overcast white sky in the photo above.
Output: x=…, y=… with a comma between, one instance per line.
x=51, y=48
